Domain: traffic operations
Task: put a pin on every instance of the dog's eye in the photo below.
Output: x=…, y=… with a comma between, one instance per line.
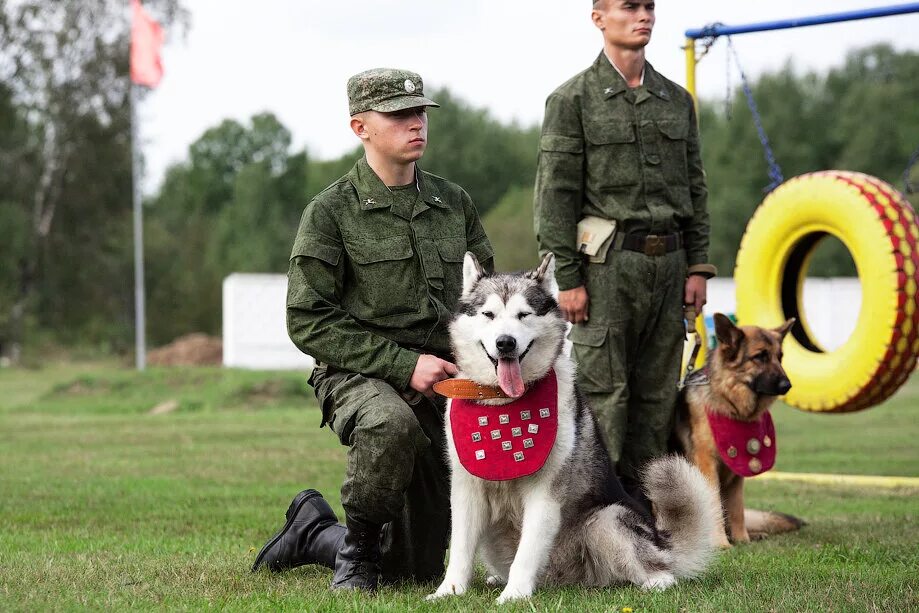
x=524, y=314
x=761, y=357
x=488, y=314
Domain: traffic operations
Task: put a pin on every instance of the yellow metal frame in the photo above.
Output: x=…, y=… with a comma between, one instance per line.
x=691, y=69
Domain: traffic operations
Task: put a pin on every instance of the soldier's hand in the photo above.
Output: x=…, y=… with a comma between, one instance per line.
x=694, y=293
x=429, y=370
x=574, y=303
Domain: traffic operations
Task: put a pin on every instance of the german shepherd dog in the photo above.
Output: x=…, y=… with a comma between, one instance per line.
x=532, y=490
x=723, y=425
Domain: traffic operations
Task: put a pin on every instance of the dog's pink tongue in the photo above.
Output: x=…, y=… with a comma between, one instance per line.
x=509, y=377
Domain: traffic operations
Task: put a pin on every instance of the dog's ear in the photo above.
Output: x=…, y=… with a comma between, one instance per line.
x=472, y=272
x=785, y=327
x=730, y=337
x=545, y=274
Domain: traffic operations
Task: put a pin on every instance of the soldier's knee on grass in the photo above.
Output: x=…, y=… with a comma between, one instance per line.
x=387, y=442
x=393, y=425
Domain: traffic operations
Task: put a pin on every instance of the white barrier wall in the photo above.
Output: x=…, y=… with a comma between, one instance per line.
x=255, y=330
x=255, y=325
x=830, y=304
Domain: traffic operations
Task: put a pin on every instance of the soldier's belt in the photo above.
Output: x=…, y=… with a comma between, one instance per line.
x=650, y=244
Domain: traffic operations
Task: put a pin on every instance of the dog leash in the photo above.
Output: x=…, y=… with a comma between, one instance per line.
x=689, y=314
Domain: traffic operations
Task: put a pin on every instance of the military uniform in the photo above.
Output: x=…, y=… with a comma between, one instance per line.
x=375, y=274
x=629, y=155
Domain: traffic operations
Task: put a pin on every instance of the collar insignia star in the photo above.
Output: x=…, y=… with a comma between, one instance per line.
x=608, y=90
x=437, y=199
x=370, y=201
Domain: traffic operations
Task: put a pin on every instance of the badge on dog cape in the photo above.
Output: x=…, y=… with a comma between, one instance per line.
x=746, y=447
x=498, y=443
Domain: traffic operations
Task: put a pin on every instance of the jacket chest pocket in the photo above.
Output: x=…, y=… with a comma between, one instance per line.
x=443, y=263
x=452, y=251
x=673, y=143
x=612, y=154
x=383, y=271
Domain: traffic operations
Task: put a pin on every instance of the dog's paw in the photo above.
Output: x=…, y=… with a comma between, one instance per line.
x=509, y=594
x=659, y=581
x=447, y=588
x=740, y=536
x=495, y=581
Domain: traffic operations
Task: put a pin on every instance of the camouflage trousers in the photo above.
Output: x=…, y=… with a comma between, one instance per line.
x=397, y=474
x=629, y=352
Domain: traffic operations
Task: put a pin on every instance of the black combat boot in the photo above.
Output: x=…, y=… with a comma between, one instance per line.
x=312, y=535
x=357, y=566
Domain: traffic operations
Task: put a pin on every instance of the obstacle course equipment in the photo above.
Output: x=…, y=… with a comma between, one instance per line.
x=878, y=227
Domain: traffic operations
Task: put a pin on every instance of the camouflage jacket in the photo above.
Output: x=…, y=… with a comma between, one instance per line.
x=626, y=154
x=373, y=283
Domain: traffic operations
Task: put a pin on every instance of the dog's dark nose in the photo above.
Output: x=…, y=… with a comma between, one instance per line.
x=506, y=344
x=784, y=386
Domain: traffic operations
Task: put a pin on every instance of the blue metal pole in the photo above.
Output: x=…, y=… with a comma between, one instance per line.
x=723, y=30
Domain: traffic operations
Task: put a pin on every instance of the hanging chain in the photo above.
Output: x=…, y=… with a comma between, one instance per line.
x=708, y=38
x=775, y=172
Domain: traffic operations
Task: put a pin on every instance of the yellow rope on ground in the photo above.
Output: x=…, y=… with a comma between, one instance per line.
x=858, y=480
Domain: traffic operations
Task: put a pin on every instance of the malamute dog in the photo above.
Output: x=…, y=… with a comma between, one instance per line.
x=533, y=491
x=723, y=422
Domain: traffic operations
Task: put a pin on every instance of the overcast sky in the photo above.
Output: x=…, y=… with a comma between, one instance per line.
x=293, y=57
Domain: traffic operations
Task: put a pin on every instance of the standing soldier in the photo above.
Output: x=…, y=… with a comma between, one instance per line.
x=619, y=155
x=375, y=274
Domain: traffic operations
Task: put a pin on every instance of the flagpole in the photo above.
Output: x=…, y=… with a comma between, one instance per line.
x=140, y=340
x=146, y=70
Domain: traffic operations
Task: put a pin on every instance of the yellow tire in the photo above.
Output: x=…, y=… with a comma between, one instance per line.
x=878, y=227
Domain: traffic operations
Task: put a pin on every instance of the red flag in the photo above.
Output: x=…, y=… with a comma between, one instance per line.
x=146, y=40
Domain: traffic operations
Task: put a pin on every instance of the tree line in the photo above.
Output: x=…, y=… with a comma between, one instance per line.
x=65, y=172
x=233, y=204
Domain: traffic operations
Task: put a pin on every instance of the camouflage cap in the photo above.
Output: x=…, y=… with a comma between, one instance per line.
x=386, y=90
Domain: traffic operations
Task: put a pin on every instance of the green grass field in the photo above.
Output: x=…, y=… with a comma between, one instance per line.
x=105, y=506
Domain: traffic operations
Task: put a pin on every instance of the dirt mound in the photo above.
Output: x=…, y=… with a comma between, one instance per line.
x=190, y=350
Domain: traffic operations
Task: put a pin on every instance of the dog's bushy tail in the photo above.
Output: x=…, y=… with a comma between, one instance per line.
x=687, y=507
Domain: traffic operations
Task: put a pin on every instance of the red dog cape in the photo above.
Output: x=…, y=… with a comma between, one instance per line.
x=505, y=442
x=747, y=447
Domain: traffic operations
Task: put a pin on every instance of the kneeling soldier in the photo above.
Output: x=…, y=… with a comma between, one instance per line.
x=375, y=274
